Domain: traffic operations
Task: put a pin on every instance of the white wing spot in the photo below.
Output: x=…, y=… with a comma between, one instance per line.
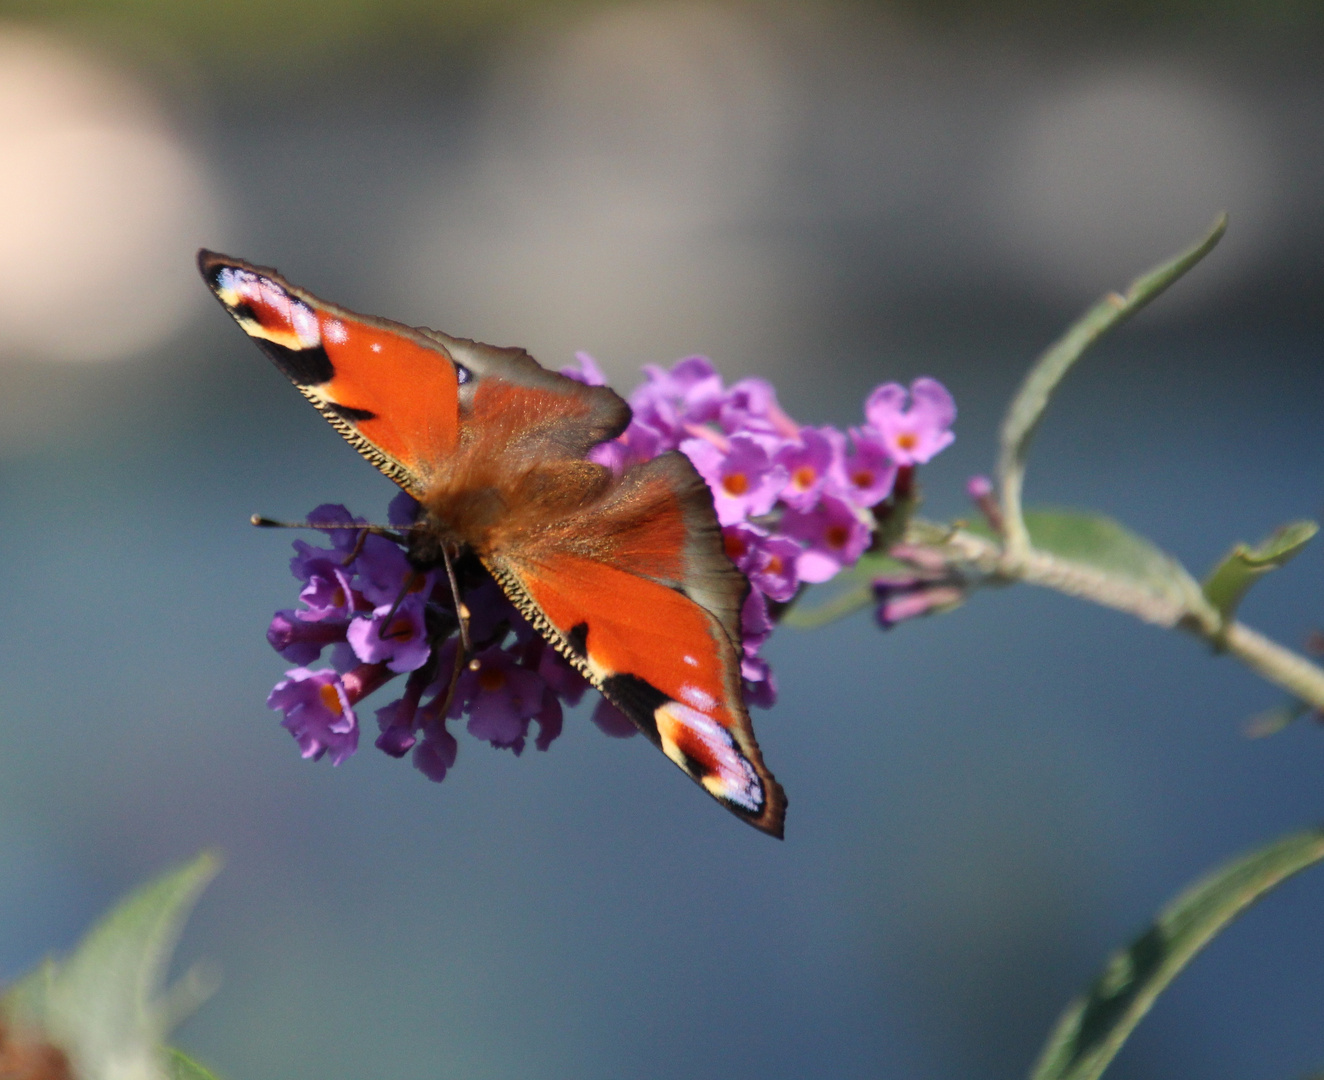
x=706, y=726
x=700, y=699
x=690, y=660
x=335, y=332
x=376, y=346
x=304, y=322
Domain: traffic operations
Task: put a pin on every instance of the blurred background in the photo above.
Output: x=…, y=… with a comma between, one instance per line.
x=827, y=194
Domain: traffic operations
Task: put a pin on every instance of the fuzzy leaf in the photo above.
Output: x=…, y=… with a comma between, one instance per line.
x=1244, y=565
x=106, y=1005
x=1095, y=1026
x=1103, y=545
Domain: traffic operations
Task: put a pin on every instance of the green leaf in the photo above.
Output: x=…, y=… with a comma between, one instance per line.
x=1116, y=555
x=106, y=1005
x=1027, y=408
x=1244, y=565
x=1095, y=1026
x=179, y=1066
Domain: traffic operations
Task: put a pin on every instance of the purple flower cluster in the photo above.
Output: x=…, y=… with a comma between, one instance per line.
x=381, y=618
x=796, y=505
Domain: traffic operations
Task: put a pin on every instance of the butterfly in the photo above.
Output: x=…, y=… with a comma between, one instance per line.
x=624, y=575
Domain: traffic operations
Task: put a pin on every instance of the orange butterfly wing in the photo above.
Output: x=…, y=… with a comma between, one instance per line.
x=384, y=386
x=628, y=579
x=639, y=595
x=397, y=393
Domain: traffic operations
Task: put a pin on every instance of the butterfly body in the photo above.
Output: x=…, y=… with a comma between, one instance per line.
x=625, y=575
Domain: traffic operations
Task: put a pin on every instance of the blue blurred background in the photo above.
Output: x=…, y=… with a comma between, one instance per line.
x=827, y=194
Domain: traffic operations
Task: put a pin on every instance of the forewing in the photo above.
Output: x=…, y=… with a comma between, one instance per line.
x=393, y=393
x=642, y=599
x=407, y=398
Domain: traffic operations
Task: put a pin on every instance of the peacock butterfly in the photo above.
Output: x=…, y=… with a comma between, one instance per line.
x=624, y=575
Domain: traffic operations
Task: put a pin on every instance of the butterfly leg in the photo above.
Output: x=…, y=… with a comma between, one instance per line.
x=465, y=650
x=456, y=666
x=357, y=550
x=461, y=611
x=410, y=583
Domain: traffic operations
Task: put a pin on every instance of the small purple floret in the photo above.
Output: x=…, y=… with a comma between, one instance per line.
x=808, y=461
x=398, y=637
x=550, y=718
x=755, y=622
x=897, y=605
x=751, y=405
x=760, y=682
x=867, y=473
x=768, y=560
x=435, y=755
x=833, y=535
x=396, y=722
x=317, y=713
x=501, y=698
x=691, y=392
x=329, y=593
x=302, y=642
x=342, y=539
x=913, y=434
x=382, y=571
x=744, y=480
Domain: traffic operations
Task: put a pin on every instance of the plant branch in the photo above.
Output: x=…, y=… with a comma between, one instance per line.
x=1281, y=666
x=1186, y=609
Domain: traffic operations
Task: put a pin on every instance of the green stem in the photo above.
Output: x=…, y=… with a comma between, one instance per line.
x=1279, y=665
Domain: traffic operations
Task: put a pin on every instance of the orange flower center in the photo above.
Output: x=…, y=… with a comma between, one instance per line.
x=804, y=477
x=775, y=564
x=862, y=478
x=330, y=699
x=907, y=440
x=837, y=535
x=736, y=483
x=491, y=679
x=736, y=548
